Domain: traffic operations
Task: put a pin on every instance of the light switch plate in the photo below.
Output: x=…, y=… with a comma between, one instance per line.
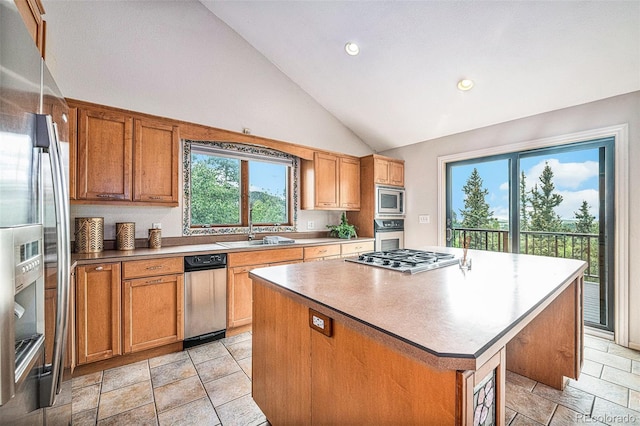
x=311, y=224
x=424, y=218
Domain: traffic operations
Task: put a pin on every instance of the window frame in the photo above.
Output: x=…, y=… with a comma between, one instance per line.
x=245, y=153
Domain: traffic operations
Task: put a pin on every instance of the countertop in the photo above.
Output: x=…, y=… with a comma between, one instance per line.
x=194, y=249
x=448, y=313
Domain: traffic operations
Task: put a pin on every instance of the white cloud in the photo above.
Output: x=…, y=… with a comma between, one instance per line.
x=565, y=175
x=504, y=186
x=572, y=200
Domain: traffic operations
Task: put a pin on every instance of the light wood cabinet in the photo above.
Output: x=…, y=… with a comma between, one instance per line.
x=354, y=249
x=156, y=148
x=316, y=253
x=239, y=285
x=388, y=171
x=120, y=157
x=98, y=312
x=104, y=155
x=330, y=182
x=31, y=12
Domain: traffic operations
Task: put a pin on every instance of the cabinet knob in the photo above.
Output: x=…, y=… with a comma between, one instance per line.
x=99, y=268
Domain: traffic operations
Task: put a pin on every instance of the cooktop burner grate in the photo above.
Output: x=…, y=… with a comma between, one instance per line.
x=406, y=260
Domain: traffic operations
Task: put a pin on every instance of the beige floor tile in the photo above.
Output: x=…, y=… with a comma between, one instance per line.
x=625, y=352
x=168, y=358
x=85, y=418
x=86, y=398
x=607, y=412
x=168, y=373
x=241, y=411
x=629, y=380
x=58, y=414
x=611, y=360
x=566, y=417
x=240, y=350
x=237, y=338
x=206, y=352
x=596, y=343
x=245, y=364
x=228, y=388
x=178, y=393
x=592, y=368
x=509, y=415
x=634, y=400
x=526, y=403
x=521, y=381
x=521, y=420
x=635, y=367
x=124, y=399
x=601, y=388
x=141, y=416
x=126, y=375
x=575, y=399
x=86, y=380
x=196, y=413
x=217, y=368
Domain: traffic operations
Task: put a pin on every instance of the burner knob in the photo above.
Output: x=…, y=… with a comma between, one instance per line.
x=370, y=259
x=396, y=264
x=361, y=257
x=386, y=262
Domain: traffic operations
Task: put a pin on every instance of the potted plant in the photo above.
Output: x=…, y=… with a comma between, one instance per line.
x=343, y=230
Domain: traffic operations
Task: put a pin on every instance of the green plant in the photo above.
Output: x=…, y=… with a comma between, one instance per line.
x=343, y=230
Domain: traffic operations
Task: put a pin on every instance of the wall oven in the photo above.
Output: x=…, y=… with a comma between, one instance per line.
x=389, y=202
x=389, y=234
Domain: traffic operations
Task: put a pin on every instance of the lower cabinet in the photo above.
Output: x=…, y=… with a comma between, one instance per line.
x=316, y=253
x=354, y=249
x=98, y=312
x=128, y=307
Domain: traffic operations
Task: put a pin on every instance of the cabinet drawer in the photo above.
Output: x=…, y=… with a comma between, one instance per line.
x=152, y=267
x=321, y=251
x=264, y=256
x=353, y=248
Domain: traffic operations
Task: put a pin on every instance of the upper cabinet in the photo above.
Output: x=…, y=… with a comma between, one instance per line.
x=387, y=171
x=330, y=182
x=31, y=12
x=124, y=158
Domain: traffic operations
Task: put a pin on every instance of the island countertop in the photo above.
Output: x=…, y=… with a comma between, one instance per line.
x=447, y=317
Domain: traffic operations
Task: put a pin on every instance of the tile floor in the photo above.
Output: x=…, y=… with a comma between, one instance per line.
x=211, y=385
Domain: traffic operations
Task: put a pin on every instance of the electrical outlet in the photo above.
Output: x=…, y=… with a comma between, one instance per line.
x=424, y=218
x=156, y=225
x=311, y=224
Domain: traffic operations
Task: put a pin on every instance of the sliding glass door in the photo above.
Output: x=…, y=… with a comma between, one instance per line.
x=549, y=202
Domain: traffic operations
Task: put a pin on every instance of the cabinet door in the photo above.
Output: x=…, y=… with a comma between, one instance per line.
x=381, y=171
x=396, y=173
x=153, y=313
x=239, y=297
x=156, y=150
x=98, y=312
x=50, y=310
x=104, y=155
x=350, y=183
x=31, y=12
x=327, y=177
x=73, y=152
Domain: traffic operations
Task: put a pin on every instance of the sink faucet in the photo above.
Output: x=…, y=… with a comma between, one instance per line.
x=251, y=235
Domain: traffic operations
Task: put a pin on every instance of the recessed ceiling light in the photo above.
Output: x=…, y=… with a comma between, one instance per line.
x=351, y=48
x=465, y=84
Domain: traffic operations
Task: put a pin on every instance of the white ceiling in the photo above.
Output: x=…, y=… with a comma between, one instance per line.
x=526, y=57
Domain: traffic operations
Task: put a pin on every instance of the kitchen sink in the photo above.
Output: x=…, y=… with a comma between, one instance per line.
x=268, y=241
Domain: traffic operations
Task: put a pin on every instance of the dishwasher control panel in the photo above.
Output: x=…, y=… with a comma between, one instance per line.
x=205, y=261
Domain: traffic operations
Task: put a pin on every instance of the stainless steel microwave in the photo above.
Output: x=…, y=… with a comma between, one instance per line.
x=389, y=201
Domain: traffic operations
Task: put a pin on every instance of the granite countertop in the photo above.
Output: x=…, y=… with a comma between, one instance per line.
x=446, y=312
x=194, y=249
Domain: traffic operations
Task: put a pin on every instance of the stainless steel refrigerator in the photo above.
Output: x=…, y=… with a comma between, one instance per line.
x=34, y=231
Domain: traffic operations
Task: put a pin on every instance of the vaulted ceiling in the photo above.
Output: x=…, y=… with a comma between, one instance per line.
x=525, y=58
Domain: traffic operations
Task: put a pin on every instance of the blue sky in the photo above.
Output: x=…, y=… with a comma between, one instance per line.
x=267, y=177
x=575, y=178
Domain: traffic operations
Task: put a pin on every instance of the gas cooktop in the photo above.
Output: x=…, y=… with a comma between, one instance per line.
x=406, y=260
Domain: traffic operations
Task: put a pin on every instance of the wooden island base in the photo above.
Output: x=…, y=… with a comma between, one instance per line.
x=304, y=374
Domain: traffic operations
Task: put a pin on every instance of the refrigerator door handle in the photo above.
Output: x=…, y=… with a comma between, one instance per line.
x=47, y=138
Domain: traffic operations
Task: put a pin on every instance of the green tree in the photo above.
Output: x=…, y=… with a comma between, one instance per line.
x=584, y=220
x=543, y=202
x=524, y=204
x=215, y=193
x=268, y=208
x=476, y=213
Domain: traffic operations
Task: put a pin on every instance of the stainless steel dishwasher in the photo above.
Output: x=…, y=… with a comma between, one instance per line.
x=205, y=298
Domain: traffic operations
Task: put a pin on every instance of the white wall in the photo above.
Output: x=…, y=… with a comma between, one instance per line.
x=421, y=170
x=176, y=59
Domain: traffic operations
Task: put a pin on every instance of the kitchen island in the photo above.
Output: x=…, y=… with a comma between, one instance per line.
x=336, y=342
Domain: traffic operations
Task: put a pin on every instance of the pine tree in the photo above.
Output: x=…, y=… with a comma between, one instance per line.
x=524, y=201
x=476, y=213
x=543, y=201
x=584, y=220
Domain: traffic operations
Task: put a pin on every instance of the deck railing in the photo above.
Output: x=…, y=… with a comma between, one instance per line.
x=567, y=245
